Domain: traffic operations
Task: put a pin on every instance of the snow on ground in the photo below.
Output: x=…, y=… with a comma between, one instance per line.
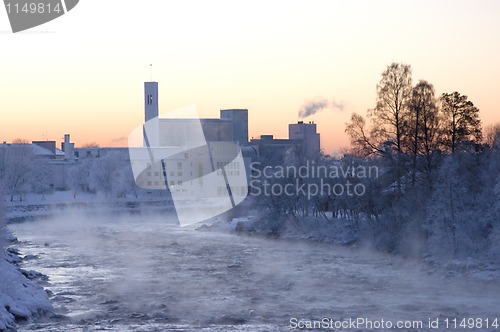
x=66, y=197
x=311, y=228
x=37, y=205
x=485, y=269
x=20, y=298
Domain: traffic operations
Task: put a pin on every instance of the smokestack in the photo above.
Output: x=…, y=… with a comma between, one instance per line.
x=68, y=148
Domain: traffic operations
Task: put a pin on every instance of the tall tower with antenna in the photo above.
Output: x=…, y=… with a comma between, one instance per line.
x=151, y=123
x=151, y=100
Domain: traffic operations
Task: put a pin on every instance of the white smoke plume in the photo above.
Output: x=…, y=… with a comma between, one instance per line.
x=338, y=105
x=314, y=106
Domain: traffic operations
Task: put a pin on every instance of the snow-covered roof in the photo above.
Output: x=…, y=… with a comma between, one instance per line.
x=37, y=149
x=40, y=151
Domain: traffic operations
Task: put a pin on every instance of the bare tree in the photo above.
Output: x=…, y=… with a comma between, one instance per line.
x=430, y=123
x=20, y=141
x=393, y=95
x=461, y=123
x=90, y=145
x=422, y=125
x=360, y=140
x=389, y=117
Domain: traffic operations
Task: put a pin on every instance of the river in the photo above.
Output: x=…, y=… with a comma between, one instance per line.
x=111, y=272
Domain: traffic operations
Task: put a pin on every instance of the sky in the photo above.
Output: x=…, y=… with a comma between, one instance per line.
x=83, y=73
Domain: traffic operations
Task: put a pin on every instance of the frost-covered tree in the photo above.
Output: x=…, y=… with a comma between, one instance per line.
x=3, y=229
x=492, y=135
x=108, y=174
x=41, y=177
x=490, y=198
x=79, y=176
x=16, y=166
x=128, y=180
x=459, y=220
x=447, y=202
x=495, y=233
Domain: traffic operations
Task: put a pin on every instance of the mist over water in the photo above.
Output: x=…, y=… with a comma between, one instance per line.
x=144, y=273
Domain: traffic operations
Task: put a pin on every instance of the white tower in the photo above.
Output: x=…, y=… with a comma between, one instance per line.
x=151, y=123
x=151, y=100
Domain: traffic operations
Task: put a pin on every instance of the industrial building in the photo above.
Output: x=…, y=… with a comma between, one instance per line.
x=191, y=149
x=303, y=142
x=232, y=126
x=182, y=154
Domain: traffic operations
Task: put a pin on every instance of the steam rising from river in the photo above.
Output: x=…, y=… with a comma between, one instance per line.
x=119, y=270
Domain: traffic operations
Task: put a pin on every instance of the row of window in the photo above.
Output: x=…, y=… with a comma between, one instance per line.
x=172, y=173
x=229, y=173
x=179, y=165
x=231, y=165
x=158, y=183
x=179, y=173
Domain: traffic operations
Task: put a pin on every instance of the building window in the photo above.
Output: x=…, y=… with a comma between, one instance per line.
x=149, y=183
x=157, y=183
x=172, y=173
x=179, y=182
x=179, y=173
x=172, y=183
x=157, y=174
x=179, y=165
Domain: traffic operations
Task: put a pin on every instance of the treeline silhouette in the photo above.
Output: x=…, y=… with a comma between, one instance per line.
x=437, y=193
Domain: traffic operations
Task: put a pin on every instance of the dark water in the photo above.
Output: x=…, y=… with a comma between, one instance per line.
x=144, y=273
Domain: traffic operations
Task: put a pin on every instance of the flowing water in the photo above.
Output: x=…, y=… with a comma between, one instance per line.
x=144, y=273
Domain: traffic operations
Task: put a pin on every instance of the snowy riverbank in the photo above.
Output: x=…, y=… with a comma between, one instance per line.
x=482, y=269
x=20, y=297
x=35, y=206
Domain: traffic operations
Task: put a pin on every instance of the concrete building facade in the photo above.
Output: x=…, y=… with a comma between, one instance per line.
x=303, y=142
x=239, y=120
x=306, y=132
x=183, y=152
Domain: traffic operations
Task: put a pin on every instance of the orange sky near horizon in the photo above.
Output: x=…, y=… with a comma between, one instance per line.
x=83, y=73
